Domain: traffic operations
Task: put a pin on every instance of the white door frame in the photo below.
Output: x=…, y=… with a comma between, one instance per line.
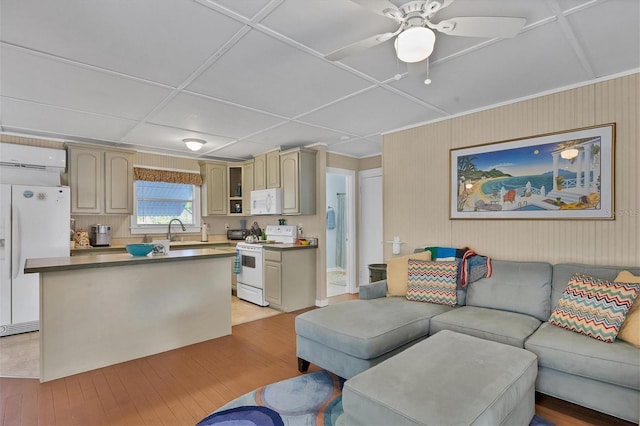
x=351, y=224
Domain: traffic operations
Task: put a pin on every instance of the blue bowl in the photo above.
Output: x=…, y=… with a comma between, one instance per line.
x=139, y=249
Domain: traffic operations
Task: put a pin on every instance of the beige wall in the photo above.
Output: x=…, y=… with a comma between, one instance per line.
x=416, y=179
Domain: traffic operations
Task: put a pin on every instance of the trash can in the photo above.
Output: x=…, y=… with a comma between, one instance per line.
x=377, y=272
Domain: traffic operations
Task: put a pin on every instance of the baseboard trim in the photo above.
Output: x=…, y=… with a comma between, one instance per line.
x=322, y=303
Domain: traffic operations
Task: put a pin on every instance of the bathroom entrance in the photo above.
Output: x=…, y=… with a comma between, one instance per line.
x=340, y=232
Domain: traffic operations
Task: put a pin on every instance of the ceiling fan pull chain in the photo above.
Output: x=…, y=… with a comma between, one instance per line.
x=427, y=80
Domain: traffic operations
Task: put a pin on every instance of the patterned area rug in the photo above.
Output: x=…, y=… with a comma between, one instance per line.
x=310, y=399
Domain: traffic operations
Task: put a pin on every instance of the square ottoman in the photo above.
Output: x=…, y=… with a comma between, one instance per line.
x=447, y=379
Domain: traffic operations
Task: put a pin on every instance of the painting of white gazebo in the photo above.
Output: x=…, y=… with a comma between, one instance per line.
x=561, y=175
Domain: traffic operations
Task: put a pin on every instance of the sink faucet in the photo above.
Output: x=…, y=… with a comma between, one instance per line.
x=172, y=237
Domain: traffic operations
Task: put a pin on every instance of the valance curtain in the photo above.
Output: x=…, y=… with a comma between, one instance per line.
x=153, y=175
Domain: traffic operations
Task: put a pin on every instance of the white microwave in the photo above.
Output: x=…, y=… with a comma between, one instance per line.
x=266, y=201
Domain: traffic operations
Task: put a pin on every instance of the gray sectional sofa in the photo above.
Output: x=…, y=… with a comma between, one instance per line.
x=511, y=307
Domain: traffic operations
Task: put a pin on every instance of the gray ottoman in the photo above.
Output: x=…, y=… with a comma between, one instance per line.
x=448, y=379
x=350, y=337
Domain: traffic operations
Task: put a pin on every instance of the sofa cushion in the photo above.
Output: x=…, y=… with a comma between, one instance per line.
x=522, y=287
x=562, y=273
x=630, y=328
x=433, y=282
x=368, y=328
x=617, y=363
x=397, y=272
x=491, y=324
x=594, y=307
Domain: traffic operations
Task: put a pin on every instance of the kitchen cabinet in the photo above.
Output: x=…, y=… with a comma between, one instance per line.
x=273, y=170
x=214, y=188
x=267, y=170
x=101, y=180
x=235, y=190
x=298, y=179
x=260, y=172
x=290, y=278
x=248, y=178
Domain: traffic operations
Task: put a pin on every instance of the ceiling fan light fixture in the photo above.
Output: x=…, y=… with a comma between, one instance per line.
x=194, y=144
x=415, y=44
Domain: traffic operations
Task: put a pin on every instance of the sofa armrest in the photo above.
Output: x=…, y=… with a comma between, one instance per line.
x=373, y=290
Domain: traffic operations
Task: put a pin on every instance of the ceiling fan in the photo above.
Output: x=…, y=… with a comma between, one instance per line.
x=415, y=37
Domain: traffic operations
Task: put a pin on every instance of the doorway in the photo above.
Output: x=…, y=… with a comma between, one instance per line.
x=340, y=232
x=369, y=222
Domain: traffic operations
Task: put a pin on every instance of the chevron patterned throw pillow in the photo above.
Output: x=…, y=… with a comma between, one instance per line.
x=594, y=307
x=433, y=282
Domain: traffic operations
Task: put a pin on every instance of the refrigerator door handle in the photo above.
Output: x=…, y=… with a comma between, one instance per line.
x=15, y=231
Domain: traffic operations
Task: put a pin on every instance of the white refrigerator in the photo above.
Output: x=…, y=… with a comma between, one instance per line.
x=34, y=223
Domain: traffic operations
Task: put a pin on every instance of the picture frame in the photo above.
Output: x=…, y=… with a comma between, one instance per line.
x=561, y=175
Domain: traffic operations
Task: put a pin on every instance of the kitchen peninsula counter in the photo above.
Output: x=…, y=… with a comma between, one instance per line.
x=103, y=260
x=104, y=309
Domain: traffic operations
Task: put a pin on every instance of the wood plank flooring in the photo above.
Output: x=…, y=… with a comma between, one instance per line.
x=182, y=386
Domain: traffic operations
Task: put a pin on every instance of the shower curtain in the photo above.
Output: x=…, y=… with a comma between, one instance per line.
x=341, y=236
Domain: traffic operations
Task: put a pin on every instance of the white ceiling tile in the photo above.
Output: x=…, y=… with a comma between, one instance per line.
x=61, y=122
x=471, y=81
x=154, y=136
x=357, y=148
x=246, y=8
x=611, y=45
x=163, y=41
x=44, y=80
x=208, y=116
x=272, y=76
x=294, y=133
x=326, y=25
x=241, y=149
x=371, y=112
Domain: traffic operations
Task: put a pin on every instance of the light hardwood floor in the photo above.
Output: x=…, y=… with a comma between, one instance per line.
x=182, y=386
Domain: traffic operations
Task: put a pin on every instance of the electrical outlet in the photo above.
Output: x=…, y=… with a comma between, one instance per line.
x=226, y=226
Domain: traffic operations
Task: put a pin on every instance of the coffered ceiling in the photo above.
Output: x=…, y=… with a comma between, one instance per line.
x=248, y=76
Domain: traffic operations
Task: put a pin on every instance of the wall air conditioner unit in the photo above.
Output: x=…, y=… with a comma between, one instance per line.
x=31, y=165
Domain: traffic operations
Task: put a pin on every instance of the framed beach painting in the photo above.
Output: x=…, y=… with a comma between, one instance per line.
x=563, y=175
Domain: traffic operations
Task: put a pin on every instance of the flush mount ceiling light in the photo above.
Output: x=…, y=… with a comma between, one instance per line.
x=194, y=144
x=415, y=44
x=569, y=154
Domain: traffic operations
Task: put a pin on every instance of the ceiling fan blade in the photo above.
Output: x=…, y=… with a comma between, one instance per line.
x=381, y=7
x=359, y=46
x=489, y=26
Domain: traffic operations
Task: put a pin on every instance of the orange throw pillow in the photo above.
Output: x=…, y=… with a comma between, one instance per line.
x=398, y=272
x=630, y=328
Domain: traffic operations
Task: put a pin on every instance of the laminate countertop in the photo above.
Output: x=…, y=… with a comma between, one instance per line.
x=177, y=245
x=53, y=264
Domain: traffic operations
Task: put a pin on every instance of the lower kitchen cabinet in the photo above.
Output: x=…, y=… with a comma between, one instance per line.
x=290, y=278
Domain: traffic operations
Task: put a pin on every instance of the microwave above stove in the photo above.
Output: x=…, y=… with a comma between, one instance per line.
x=237, y=234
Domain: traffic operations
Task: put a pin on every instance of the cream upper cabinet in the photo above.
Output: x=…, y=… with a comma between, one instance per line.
x=118, y=181
x=248, y=179
x=260, y=172
x=298, y=179
x=214, y=190
x=273, y=169
x=101, y=180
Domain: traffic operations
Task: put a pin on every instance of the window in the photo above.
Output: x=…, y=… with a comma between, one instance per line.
x=156, y=203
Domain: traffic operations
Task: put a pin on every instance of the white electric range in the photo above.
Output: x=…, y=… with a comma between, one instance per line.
x=250, y=281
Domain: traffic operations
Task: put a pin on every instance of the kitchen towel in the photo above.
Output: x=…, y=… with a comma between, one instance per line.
x=236, y=263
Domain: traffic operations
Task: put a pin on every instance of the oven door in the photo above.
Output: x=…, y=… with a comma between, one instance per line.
x=251, y=268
